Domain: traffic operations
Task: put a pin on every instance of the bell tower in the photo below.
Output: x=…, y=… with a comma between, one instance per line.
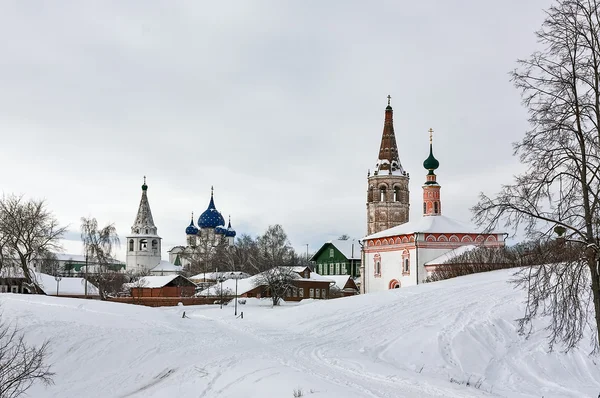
x=432, y=202
x=143, y=244
x=387, y=192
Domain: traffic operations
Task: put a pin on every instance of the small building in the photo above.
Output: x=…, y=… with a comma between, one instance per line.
x=307, y=284
x=74, y=265
x=12, y=281
x=161, y=286
x=67, y=286
x=343, y=286
x=338, y=257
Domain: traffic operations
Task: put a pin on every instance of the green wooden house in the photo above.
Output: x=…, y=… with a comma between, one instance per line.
x=338, y=257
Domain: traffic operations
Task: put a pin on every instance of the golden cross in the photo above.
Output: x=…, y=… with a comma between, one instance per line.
x=389, y=98
x=144, y=179
x=430, y=135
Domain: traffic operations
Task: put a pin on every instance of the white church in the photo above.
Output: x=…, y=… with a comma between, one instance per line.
x=144, y=245
x=398, y=252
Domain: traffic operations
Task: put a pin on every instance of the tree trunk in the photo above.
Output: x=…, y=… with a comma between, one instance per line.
x=593, y=265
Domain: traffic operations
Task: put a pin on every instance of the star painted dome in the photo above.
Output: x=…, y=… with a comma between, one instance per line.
x=211, y=218
x=191, y=229
x=230, y=233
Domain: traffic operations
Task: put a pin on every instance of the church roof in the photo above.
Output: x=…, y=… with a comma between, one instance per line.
x=144, y=215
x=434, y=224
x=389, y=160
x=211, y=218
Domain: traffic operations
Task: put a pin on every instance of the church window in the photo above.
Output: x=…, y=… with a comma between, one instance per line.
x=130, y=245
x=146, y=230
x=377, y=267
x=435, y=207
x=424, y=208
x=143, y=244
x=406, y=265
x=137, y=230
x=382, y=194
x=154, y=244
x=396, y=194
x=331, y=253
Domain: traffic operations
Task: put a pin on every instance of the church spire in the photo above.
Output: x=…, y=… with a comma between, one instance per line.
x=143, y=220
x=389, y=160
x=432, y=204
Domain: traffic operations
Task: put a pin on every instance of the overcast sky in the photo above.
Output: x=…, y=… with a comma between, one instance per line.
x=279, y=105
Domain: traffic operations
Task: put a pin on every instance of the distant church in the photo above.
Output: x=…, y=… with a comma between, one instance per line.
x=211, y=229
x=402, y=253
x=144, y=245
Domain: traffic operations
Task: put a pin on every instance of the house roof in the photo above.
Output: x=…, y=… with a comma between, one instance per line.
x=154, y=282
x=213, y=276
x=340, y=280
x=433, y=224
x=66, y=286
x=344, y=247
x=165, y=266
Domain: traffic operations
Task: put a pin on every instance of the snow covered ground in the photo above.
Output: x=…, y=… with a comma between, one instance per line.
x=422, y=341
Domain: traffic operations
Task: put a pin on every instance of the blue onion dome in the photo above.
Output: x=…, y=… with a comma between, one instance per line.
x=230, y=231
x=191, y=229
x=211, y=218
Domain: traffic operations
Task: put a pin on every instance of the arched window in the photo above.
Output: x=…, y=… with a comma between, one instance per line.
x=146, y=230
x=378, y=267
x=130, y=245
x=154, y=244
x=435, y=207
x=396, y=194
x=143, y=244
x=424, y=208
x=382, y=193
x=406, y=265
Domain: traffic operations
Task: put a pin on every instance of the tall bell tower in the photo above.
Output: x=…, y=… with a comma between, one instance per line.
x=387, y=193
x=143, y=244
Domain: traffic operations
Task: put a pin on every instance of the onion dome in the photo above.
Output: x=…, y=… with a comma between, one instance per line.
x=230, y=231
x=191, y=229
x=221, y=230
x=211, y=218
x=431, y=163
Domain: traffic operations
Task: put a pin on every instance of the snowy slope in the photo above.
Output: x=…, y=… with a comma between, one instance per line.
x=407, y=342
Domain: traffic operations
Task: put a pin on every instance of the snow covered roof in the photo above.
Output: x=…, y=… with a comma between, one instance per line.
x=165, y=266
x=243, y=286
x=449, y=255
x=434, y=224
x=346, y=248
x=153, y=282
x=339, y=280
x=66, y=286
x=213, y=276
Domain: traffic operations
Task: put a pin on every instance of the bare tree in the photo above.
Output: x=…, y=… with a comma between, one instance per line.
x=559, y=192
x=479, y=259
x=274, y=249
x=28, y=231
x=21, y=364
x=98, y=245
x=276, y=282
x=206, y=255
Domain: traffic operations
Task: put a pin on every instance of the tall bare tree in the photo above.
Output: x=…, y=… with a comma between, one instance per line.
x=274, y=249
x=559, y=192
x=277, y=281
x=98, y=246
x=28, y=232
